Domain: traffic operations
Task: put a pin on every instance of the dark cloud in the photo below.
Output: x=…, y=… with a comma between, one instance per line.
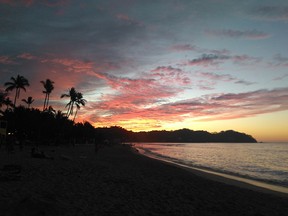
x=220, y=57
x=207, y=59
x=185, y=47
x=285, y=76
x=273, y=13
x=170, y=75
x=211, y=79
x=248, y=34
x=281, y=60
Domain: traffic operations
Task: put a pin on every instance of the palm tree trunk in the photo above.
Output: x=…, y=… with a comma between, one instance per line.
x=16, y=95
x=44, y=106
x=75, y=115
x=47, y=101
x=67, y=114
x=70, y=111
x=14, y=104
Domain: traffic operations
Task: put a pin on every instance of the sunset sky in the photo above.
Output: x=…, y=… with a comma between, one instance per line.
x=155, y=64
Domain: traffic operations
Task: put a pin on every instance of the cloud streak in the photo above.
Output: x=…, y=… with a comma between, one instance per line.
x=222, y=77
x=271, y=13
x=215, y=59
x=230, y=33
x=206, y=108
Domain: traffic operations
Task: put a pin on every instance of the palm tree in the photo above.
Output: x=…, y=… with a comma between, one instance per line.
x=59, y=115
x=8, y=103
x=78, y=102
x=48, y=86
x=17, y=83
x=50, y=110
x=73, y=96
x=3, y=96
x=29, y=101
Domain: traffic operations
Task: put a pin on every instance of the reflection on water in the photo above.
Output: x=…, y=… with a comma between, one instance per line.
x=266, y=162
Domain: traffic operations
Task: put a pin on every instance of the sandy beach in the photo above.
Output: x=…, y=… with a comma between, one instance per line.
x=117, y=181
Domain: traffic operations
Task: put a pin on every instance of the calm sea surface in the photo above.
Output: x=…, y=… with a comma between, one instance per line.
x=264, y=162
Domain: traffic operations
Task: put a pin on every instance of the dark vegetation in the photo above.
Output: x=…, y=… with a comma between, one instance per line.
x=33, y=126
x=186, y=135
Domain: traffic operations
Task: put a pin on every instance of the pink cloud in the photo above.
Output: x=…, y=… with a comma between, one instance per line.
x=146, y=89
x=127, y=19
x=73, y=65
x=206, y=108
x=229, y=106
x=6, y=60
x=133, y=98
x=123, y=17
x=27, y=56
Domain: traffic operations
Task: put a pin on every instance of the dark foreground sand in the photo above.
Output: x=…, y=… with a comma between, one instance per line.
x=119, y=182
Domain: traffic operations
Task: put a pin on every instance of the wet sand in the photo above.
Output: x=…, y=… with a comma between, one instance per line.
x=116, y=181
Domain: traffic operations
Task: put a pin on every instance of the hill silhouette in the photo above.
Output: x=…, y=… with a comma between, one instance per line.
x=182, y=135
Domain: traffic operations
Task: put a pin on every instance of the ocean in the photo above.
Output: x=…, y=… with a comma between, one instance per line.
x=260, y=162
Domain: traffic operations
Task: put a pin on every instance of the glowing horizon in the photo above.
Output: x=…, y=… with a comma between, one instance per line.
x=207, y=65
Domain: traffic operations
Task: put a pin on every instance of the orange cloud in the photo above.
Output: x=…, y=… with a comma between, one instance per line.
x=119, y=111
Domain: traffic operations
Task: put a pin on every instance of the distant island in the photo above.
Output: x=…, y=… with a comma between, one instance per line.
x=182, y=135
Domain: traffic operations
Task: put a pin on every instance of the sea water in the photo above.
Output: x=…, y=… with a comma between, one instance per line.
x=263, y=162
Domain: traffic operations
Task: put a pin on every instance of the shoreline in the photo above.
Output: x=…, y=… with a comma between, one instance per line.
x=225, y=178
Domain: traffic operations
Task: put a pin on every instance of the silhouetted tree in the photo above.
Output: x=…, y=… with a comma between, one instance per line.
x=78, y=102
x=8, y=103
x=17, y=83
x=48, y=86
x=3, y=96
x=60, y=115
x=73, y=96
x=29, y=101
x=50, y=110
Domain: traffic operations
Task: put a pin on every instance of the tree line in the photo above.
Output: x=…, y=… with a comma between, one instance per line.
x=46, y=125
x=19, y=83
